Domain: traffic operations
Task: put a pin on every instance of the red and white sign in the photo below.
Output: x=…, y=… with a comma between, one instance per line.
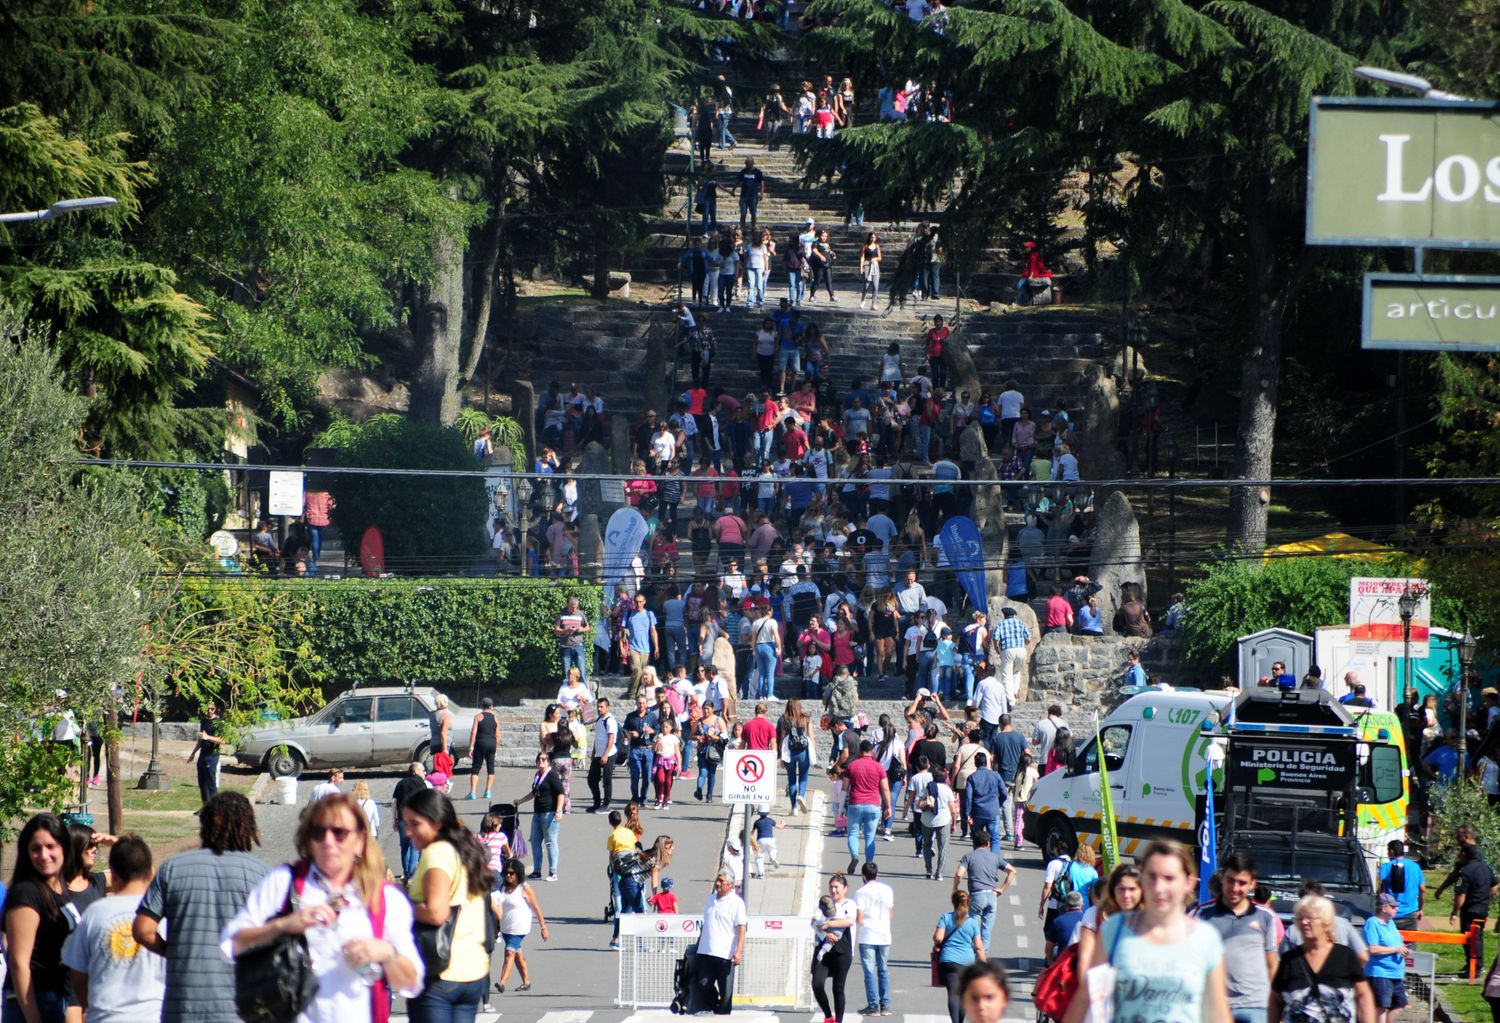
x=750, y=776
x=1375, y=625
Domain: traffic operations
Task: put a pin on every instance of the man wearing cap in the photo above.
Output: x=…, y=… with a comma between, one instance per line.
x=1012, y=637
x=1248, y=933
x=1403, y=880
x=1386, y=966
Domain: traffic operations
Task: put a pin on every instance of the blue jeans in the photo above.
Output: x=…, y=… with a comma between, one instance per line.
x=632, y=900
x=794, y=288
x=725, y=138
x=544, y=835
x=872, y=960
x=676, y=651
x=706, y=772
x=982, y=905
x=572, y=657
x=967, y=662
x=315, y=543
x=53, y=1006
x=863, y=818
x=924, y=669
x=930, y=279
x=409, y=854
x=1252, y=1014
x=764, y=445
x=923, y=438
x=796, y=775
x=944, y=675
x=755, y=278
x=765, y=671
x=448, y=1001
x=642, y=760
x=990, y=824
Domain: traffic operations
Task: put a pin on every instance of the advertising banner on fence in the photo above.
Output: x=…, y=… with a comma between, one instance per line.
x=1375, y=616
x=964, y=549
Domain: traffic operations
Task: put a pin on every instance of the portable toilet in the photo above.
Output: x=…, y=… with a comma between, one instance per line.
x=1259, y=650
x=1335, y=654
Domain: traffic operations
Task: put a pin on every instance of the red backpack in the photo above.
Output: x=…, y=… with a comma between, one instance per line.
x=1058, y=984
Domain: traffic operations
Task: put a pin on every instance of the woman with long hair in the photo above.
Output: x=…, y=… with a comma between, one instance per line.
x=959, y=943
x=358, y=928
x=548, y=795
x=869, y=271
x=39, y=916
x=833, y=947
x=1168, y=966
x=639, y=872
x=453, y=876
x=890, y=754
x=85, y=885
x=885, y=621
x=797, y=754
x=1122, y=894
x=821, y=260
x=514, y=903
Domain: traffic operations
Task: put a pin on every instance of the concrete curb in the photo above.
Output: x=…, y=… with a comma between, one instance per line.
x=807, y=895
x=258, y=790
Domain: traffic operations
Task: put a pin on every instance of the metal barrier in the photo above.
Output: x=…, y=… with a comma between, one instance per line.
x=776, y=969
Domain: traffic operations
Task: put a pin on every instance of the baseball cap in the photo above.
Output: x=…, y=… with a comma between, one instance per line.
x=1387, y=899
x=924, y=692
x=666, y=884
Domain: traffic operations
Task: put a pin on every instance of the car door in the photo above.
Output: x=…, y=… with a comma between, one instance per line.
x=400, y=726
x=350, y=738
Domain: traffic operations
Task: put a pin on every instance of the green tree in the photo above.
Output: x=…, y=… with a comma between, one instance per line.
x=75, y=571
x=420, y=518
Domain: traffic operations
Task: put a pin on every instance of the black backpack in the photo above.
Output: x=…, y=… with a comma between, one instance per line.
x=1395, y=879
x=796, y=740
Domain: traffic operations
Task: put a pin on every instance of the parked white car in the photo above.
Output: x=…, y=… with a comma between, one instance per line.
x=359, y=728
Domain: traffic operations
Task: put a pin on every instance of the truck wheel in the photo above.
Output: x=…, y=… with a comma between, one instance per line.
x=1058, y=836
x=286, y=764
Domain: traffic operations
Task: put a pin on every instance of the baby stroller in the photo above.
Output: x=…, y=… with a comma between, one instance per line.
x=510, y=824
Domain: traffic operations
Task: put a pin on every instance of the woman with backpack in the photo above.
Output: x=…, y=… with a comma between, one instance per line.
x=891, y=755
x=797, y=754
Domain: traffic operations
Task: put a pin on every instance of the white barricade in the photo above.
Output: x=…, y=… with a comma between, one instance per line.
x=776, y=969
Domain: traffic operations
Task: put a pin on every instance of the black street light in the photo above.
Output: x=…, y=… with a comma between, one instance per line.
x=1465, y=664
x=1407, y=605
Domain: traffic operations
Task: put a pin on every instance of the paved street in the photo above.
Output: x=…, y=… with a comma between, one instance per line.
x=575, y=975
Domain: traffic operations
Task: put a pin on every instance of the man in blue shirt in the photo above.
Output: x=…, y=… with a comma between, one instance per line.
x=1441, y=762
x=644, y=646
x=1403, y=880
x=1135, y=675
x=986, y=797
x=1386, y=966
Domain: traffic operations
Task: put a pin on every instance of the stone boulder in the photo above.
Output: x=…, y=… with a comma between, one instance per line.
x=1116, y=554
x=523, y=411
x=594, y=459
x=1098, y=447
x=1027, y=614
x=590, y=542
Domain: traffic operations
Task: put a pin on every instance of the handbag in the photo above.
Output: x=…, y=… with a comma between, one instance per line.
x=1100, y=981
x=435, y=943
x=275, y=981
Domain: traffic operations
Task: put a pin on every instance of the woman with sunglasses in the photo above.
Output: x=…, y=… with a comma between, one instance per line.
x=358, y=928
x=514, y=903
x=453, y=876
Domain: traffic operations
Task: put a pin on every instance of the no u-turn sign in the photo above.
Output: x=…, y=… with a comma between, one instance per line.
x=750, y=776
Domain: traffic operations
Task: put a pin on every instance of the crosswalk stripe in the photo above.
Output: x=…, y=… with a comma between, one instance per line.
x=1015, y=900
x=1022, y=941
x=567, y=1016
x=1019, y=919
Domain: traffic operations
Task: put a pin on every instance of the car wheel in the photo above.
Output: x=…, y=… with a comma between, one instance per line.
x=423, y=756
x=285, y=763
x=1058, y=836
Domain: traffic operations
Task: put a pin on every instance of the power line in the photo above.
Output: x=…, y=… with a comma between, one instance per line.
x=1128, y=483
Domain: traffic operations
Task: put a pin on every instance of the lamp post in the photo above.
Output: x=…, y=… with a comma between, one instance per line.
x=1407, y=605
x=1171, y=446
x=1465, y=663
x=1401, y=80
x=523, y=497
x=61, y=208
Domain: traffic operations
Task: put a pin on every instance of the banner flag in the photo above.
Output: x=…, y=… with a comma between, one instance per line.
x=964, y=549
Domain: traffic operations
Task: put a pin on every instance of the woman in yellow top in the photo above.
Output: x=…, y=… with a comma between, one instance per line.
x=453, y=876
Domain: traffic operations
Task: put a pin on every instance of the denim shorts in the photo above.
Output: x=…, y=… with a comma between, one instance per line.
x=513, y=942
x=1389, y=992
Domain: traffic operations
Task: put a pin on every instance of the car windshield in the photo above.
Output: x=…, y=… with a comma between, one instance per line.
x=1277, y=858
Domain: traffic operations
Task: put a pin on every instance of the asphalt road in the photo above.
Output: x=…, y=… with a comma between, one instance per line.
x=575, y=975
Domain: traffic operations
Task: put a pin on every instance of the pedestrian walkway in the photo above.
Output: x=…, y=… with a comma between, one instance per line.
x=665, y=1016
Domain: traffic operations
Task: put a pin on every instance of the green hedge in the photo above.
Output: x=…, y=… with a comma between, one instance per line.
x=465, y=636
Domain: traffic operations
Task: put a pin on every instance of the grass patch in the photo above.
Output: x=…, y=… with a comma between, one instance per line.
x=164, y=833
x=1466, y=1000
x=181, y=796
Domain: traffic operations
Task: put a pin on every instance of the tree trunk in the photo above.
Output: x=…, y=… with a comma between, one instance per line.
x=1260, y=370
x=484, y=297
x=438, y=331
x=601, y=275
x=112, y=770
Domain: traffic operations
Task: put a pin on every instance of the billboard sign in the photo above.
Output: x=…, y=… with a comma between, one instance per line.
x=1291, y=766
x=1404, y=172
x=1375, y=616
x=1443, y=314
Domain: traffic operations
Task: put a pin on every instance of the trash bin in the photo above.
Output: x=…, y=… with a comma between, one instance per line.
x=286, y=791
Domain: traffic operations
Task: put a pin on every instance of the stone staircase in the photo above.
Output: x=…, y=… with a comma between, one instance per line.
x=520, y=721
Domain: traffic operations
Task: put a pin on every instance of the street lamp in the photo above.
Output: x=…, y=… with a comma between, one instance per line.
x=523, y=497
x=1407, y=605
x=1401, y=80
x=1465, y=663
x=61, y=208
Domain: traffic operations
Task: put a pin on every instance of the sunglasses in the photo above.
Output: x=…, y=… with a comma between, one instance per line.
x=319, y=831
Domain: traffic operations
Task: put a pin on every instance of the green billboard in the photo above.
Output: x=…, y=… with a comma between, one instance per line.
x=1450, y=314
x=1411, y=173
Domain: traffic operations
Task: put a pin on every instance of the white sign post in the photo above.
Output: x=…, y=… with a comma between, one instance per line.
x=286, y=493
x=749, y=776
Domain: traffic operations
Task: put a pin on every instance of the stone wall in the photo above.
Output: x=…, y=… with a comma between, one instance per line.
x=1084, y=671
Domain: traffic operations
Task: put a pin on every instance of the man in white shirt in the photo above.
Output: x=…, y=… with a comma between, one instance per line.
x=993, y=702
x=1044, y=732
x=877, y=905
x=331, y=787
x=911, y=598
x=721, y=946
x=602, y=763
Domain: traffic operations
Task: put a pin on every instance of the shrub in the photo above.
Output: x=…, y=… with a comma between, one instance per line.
x=419, y=516
x=456, y=634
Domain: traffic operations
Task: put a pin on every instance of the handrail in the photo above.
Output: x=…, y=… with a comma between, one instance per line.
x=1469, y=939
